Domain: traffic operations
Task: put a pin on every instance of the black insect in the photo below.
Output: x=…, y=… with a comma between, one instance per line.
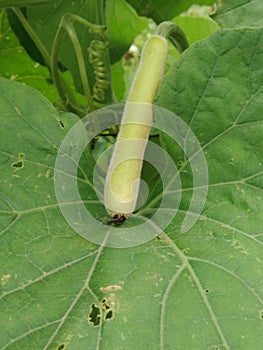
x=118, y=219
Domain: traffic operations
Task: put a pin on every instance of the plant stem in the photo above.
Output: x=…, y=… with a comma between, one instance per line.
x=41, y=48
x=67, y=27
x=100, y=12
x=174, y=33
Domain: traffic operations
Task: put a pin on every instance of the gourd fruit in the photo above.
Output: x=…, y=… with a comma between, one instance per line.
x=123, y=177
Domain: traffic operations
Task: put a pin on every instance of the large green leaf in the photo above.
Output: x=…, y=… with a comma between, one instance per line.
x=237, y=13
x=197, y=290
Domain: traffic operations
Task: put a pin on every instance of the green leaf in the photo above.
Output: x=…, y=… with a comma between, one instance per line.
x=37, y=246
x=196, y=28
x=236, y=13
x=118, y=83
x=16, y=65
x=216, y=87
x=165, y=10
x=123, y=26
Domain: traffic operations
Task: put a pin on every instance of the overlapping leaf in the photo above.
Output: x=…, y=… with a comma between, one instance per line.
x=236, y=13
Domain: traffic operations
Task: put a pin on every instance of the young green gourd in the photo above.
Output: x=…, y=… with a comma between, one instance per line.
x=123, y=177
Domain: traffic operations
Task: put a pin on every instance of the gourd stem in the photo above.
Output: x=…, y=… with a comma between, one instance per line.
x=174, y=33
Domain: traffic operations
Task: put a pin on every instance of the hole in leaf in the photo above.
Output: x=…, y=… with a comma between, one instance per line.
x=94, y=316
x=261, y=314
x=61, y=347
x=61, y=124
x=109, y=315
x=207, y=290
x=108, y=310
x=18, y=165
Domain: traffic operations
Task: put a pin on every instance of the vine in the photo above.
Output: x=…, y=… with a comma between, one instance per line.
x=97, y=57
